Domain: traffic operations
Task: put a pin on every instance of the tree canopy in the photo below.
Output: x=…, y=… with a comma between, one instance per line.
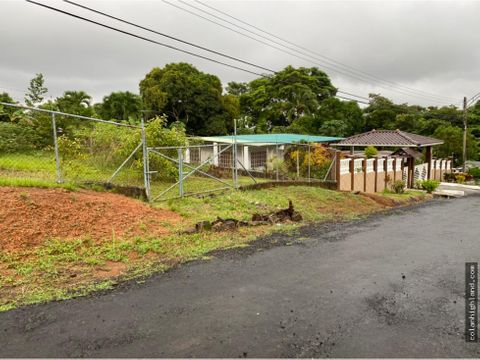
x=185, y=94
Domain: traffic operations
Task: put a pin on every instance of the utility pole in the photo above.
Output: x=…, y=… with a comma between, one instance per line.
x=464, y=134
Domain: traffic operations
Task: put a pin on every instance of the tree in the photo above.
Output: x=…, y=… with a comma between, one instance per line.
x=6, y=112
x=75, y=102
x=453, y=143
x=36, y=90
x=285, y=97
x=381, y=113
x=185, y=94
x=121, y=105
x=237, y=88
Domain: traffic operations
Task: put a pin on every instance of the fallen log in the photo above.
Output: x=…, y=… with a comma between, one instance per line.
x=281, y=216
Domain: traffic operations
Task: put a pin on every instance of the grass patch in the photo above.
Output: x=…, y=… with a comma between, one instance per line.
x=38, y=183
x=61, y=269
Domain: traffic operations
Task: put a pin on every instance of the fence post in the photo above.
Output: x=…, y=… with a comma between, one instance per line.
x=298, y=164
x=277, y=160
x=234, y=150
x=309, y=160
x=180, y=171
x=57, y=155
x=146, y=170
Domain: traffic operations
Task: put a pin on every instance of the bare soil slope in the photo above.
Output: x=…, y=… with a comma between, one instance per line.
x=29, y=216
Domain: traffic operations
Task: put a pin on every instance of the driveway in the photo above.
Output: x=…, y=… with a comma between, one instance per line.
x=389, y=286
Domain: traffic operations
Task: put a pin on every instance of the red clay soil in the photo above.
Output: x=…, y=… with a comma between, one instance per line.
x=29, y=216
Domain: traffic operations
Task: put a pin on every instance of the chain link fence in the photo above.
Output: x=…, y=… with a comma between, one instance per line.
x=208, y=167
x=79, y=150
x=74, y=149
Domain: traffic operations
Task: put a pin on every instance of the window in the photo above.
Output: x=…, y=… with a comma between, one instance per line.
x=195, y=155
x=225, y=158
x=258, y=159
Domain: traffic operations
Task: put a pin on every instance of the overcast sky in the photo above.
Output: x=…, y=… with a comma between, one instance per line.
x=429, y=46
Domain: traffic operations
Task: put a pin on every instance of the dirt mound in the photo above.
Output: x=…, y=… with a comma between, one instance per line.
x=29, y=216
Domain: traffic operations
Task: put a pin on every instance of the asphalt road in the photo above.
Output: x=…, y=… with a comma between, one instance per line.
x=390, y=286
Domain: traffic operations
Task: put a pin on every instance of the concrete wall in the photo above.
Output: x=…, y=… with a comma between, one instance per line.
x=375, y=175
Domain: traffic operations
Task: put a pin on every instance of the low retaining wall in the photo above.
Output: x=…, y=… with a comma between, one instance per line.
x=331, y=185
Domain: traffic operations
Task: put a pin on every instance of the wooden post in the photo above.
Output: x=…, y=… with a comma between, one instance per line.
x=428, y=157
x=385, y=170
x=411, y=162
x=352, y=173
x=364, y=167
x=394, y=169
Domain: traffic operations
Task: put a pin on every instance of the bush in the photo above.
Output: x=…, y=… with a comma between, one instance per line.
x=371, y=151
x=105, y=146
x=449, y=177
x=430, y=185
x=17, y=137
x=460, y=178
x=320, y=160
x=475, y=172
x=398, y=187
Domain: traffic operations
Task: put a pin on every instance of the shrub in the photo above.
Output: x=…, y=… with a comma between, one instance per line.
x=418, y=184
x=449, y=177
x=371, y=151
x=17, y=137
x=398, y=187
x=430, y=185
x=475, y=172
x=320, y=160
x=460, y=178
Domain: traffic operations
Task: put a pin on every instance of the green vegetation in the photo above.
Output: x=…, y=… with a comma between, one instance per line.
x=430, y=185
x=370, y=151
x=398, y=186
x=60, y=268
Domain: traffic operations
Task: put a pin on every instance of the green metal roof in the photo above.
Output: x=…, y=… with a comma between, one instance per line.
x=272, y=138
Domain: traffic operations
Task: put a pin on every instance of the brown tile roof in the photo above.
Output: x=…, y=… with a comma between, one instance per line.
x=392, y=138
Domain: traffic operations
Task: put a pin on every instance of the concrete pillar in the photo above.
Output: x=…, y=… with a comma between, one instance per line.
x=215, y=154
x=246, y=158
x=187, y=156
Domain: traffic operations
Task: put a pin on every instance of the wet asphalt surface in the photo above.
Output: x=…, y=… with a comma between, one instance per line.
x=388, y=286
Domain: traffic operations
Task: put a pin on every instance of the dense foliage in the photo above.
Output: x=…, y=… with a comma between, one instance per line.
x=294, y=100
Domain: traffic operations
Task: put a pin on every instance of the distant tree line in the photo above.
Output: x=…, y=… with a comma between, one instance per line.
x=294, y=100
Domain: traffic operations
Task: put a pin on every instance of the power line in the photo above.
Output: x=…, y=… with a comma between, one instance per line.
x=349, y=72
x=358, y=96
x=349, y=99
x=156, y=42
x=168, y=36
x=143, y=38
x=318, y=54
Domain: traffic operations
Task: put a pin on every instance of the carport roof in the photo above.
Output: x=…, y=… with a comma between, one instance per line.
x=389, y=138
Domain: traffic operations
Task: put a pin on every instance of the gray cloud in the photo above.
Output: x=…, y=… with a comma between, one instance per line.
x=427, y=45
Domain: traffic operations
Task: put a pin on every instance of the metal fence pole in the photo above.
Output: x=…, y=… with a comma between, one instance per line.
x=180, y=171
x=298, y=163
x=146, y=171
x=57, y=155
x=277, y=161
x=309, y=160
x=235, y=170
